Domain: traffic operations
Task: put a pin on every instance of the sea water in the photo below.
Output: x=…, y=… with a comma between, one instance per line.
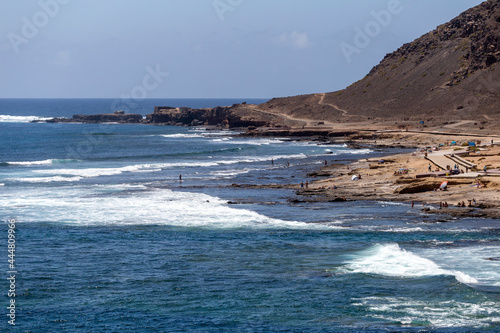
x=108, y=238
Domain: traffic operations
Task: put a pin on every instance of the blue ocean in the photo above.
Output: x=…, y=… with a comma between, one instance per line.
x=141, y=228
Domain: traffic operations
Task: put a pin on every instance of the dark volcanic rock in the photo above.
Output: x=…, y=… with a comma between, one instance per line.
x=238, y=115
x=100, y=118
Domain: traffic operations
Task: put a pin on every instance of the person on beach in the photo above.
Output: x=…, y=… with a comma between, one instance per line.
x=287, y=163
x=326, y=162
x=412, y=204
x=430, y=167
x=307, y=184
x=272, y=161
x=485, y=169
x=180, y=178
x=301, y=184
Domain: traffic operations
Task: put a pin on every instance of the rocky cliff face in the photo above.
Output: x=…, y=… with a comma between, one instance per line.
x=237, y=115
x=188, y=116
x=450, y=73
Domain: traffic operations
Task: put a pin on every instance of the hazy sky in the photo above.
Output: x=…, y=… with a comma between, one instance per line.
x=209, y=48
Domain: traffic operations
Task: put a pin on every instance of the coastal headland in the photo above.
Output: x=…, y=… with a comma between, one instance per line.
x=439, y=95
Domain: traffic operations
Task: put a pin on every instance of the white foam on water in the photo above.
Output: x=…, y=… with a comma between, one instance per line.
x=43, y=162
x=328, y=152
x=229, y=173
x=391, y=260
x=221, y=140
x=402, y=230
x=209, y=134
x=94, y=172
x=182, y=136
x=86, y=205
x=65, y=174
x=469, y=259
x=4, y=118
x=28, y=163
x=436, y=313
x=357, y=151
x=392, y=203
x=254, y=142
x=46, y=179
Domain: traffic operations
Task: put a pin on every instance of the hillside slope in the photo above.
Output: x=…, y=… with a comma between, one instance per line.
x=450, y=73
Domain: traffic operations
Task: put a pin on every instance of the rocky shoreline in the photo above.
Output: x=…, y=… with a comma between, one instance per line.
x=120, y=118
x=379, y=181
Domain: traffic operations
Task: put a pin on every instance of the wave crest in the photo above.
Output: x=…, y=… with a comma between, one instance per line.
x=391, y=260
x=5, y=118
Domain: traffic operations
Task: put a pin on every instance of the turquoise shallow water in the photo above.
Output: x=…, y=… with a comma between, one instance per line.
x=108, y=239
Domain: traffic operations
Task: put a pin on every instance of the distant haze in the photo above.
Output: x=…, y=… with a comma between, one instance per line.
x=202, y=48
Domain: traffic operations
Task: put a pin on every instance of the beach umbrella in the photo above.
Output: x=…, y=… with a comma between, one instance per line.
x=443, y=186
x=354, y=177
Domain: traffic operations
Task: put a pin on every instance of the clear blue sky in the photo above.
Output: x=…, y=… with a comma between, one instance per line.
x=210, y=48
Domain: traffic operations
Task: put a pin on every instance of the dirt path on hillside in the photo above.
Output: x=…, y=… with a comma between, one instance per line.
x=322, y=102
x=307, y=122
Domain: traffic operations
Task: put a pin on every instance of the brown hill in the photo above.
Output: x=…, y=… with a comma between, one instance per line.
x=448, y=74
